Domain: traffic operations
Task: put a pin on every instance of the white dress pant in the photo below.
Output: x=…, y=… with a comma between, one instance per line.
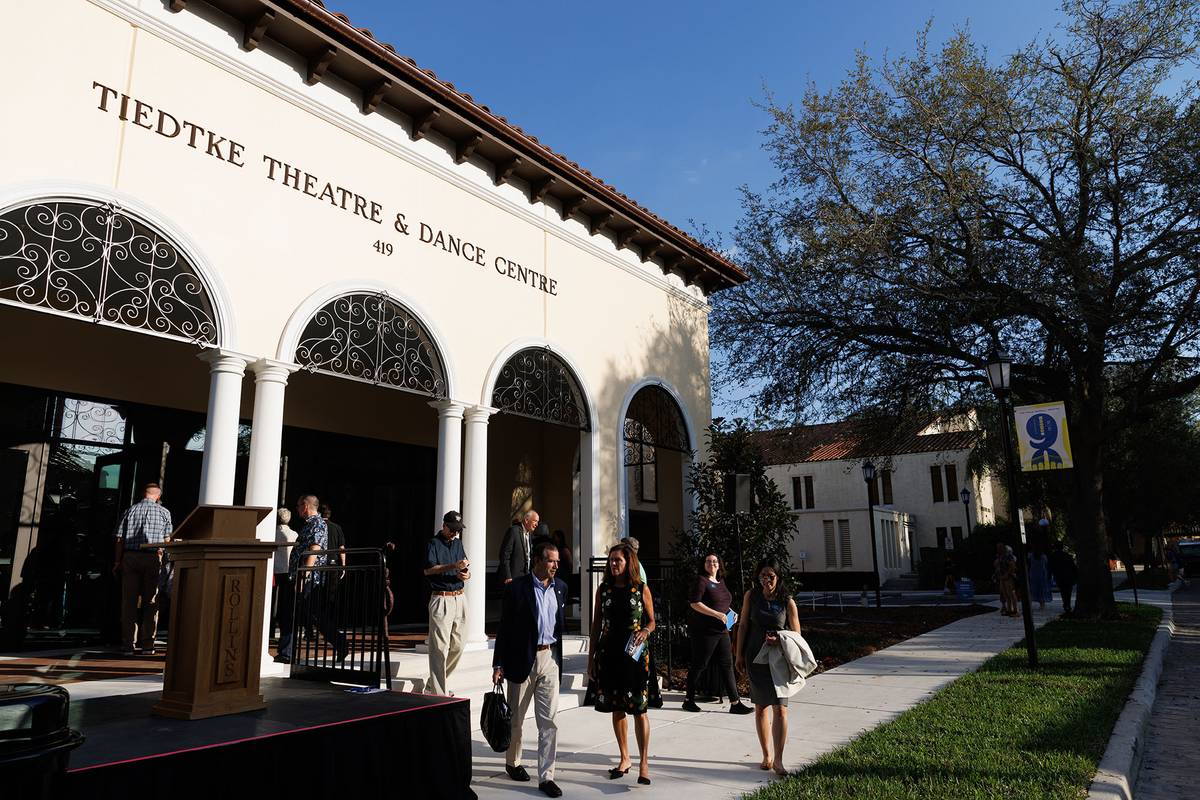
x=447, y=621
x=542, y=688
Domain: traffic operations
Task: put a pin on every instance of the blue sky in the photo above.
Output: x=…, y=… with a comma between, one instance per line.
x=659, y=98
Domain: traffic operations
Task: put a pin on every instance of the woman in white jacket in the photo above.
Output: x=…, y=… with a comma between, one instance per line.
x=766, y=609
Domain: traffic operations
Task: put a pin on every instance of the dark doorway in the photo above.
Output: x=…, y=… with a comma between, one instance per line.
x=643, y=526
x=72, y=465
x=379, y=492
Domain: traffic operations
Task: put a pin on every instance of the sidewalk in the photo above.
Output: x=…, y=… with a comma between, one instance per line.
x=1171, y=764
x=715, y=754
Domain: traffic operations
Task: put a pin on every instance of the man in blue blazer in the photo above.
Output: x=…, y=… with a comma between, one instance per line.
x=529, y=655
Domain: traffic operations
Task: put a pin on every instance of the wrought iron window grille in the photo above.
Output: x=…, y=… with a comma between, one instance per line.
x=653, y=421
x=371, y=337
x=537, y=384
x=92, y=260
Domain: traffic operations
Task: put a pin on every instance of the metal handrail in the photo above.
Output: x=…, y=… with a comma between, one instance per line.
x=339, y=627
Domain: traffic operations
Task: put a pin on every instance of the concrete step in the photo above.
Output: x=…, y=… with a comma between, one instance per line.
x=473, y=675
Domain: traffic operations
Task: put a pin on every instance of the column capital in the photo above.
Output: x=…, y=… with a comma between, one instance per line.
x=268, y=370
x=479, y=413
x=220, y=360
x=448, y=408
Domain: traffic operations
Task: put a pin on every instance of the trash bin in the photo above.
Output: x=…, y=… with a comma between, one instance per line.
x=966, y=589
x=35, y=740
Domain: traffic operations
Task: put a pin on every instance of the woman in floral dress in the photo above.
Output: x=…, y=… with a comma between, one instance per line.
x=623, y=620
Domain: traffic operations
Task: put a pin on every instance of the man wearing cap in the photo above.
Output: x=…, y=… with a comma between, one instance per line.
x=447, y=568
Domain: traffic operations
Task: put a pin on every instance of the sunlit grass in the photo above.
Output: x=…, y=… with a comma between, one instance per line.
x=1002, y=732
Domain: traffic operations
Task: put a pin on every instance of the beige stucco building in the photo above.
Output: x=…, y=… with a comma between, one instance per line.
x=248, y=251
x=917, y=500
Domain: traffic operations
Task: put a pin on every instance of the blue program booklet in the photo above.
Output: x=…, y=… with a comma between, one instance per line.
x=634, y=648
x=731, y=618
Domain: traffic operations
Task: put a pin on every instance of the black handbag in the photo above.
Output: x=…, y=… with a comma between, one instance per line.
x=495, y=719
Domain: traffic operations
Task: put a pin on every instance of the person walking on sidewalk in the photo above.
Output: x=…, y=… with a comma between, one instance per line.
x=766, y=609
x=447, y=568
x=529, y=655
x=619, y=655
x=708, y=629
x=1062, y=567
x=144, y=523
x=1004, y=570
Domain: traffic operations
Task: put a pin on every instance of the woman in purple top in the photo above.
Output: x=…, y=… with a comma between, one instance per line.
x=708, y=630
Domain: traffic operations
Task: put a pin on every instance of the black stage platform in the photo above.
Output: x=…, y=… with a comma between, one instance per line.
x=313, y=740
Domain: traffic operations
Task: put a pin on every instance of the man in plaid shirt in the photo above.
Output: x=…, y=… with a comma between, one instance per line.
x=145, y=523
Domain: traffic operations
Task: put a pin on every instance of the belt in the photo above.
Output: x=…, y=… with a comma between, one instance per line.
x=542, y=647
x=447, y=594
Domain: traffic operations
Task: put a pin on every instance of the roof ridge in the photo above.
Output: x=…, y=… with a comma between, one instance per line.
x=344, y=21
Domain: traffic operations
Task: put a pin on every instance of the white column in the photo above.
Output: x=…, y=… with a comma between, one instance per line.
x=262, y=478
x=475, y=520
x=448, y=495
x=589, y=518
x=226, y=371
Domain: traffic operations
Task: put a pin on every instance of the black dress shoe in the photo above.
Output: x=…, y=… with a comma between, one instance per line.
x=690, y=705
x=740, y=708
x=550, y=789
x=282, y=659
x=517, y=773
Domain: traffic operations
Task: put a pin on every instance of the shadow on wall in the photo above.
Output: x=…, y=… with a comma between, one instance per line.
x=676, y=352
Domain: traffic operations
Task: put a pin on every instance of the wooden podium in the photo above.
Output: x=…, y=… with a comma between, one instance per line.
x=217, y=609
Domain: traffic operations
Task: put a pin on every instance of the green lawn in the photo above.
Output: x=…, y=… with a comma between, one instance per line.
x=1002, y=732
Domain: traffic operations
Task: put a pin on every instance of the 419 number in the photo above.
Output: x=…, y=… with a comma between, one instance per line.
x=382, y=247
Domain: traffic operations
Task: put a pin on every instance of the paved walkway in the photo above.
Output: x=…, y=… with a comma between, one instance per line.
x=1171, y=764
x=715, y=754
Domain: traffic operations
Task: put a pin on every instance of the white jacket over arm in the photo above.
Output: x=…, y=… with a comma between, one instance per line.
x=791, y=661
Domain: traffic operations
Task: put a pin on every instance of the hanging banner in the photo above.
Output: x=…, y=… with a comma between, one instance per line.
x=1042, y=437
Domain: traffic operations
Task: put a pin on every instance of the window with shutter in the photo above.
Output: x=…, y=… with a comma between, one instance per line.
x=797, y=493
x=886, y=477
x=844, y=543
x=830, y=546
x=935, y=480
x=809, y=500
x=951, y=482
x=873, y=491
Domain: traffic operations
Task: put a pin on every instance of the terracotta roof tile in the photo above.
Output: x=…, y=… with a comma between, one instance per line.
x=853, y=440
x=345, y=21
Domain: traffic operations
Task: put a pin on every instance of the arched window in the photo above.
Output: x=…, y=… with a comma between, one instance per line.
x=537, y=384
x=368, y=336
x=95, y=261
x=653, y=421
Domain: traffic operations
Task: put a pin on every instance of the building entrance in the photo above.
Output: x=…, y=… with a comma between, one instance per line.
x=380, y=492
x=71, y=465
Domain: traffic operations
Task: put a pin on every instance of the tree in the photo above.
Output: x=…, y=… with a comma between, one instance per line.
x=934, y=206
x=765, y=532
x=1154, y=483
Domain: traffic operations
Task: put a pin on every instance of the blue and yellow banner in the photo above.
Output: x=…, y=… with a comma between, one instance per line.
x=1042, y=437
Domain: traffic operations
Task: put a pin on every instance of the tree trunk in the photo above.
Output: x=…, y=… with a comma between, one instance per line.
x=1087, y=512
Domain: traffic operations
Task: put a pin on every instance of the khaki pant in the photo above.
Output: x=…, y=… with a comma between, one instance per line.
x=542, y=688
x=139, y=598
x=447, y=621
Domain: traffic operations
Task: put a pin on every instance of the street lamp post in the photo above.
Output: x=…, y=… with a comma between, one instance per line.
x=869, y=477
x=965, y=496
x=999, y=371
